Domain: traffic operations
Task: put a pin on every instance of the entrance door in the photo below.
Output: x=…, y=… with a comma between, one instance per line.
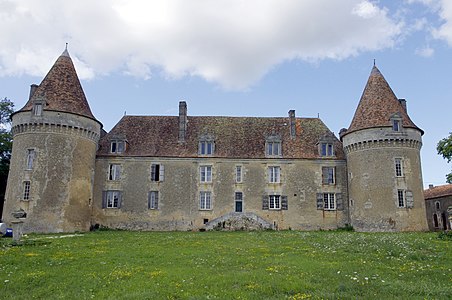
x=238, y=202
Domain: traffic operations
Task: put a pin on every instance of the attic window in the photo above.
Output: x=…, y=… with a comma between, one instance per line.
x=396, y=125
x=37, y=108
x=117, y=146
x=206, y=147
x=326, y=149
x=396, y=122
x=326, y=145
x=273, y=146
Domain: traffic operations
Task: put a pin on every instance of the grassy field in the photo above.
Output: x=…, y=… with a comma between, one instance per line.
x=227, y=265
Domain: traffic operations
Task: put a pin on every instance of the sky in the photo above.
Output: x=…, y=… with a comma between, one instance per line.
x=239, y=58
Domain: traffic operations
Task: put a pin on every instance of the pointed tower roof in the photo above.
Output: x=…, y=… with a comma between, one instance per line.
x=377, y=105
x=61, y=90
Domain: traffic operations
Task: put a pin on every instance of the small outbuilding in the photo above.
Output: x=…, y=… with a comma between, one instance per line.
x=438, y=205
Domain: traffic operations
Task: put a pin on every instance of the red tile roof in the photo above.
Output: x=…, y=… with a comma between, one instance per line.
x=438, y=191
x=61, y=90
x=378, y=103
x=235, y=137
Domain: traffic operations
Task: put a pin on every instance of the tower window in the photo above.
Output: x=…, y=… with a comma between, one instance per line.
x=37, y=109
x=398, y=167
x=26, y=186
x=396, y=125
x=30, y=158
x=401, y=198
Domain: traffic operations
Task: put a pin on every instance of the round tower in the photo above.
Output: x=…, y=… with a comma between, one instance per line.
x=55, y=139
x=382, y=147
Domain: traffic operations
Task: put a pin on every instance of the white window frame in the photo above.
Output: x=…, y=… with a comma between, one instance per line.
x=274, y=202
x=273, y=148
x=117, y=146
x=238, y=174
x=205, y=174
x=398, y=165
x=26, y=190
x=205, y=200
x=111, y=197
x=30, y=158
x=114, y=172
x=274, y=174
x=153, y=201
x=206, y=148
x=401, y=198
x=329, y=201
x=37, y=109
x=326, y=149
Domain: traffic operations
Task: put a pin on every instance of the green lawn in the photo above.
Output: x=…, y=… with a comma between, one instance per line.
x=227, y=265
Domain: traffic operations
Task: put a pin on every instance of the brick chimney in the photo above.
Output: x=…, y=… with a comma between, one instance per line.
x=182, y=121
x=292, y=123
x=403, y=102
x=33, y=88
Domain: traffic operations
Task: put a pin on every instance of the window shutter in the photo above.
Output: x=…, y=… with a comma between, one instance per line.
x=409, y=199
x=319, y=200
x=284, y=203
x=119, y=170
x=162, y=173
x=104, y=199
x=149, y=200
x=153, y=172
x=156, y=205
x=324, y=175
x=269, y=174
x=339, y=202
x=119, y=199
x=265, y=202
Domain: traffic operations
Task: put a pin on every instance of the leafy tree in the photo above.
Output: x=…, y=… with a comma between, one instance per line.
x=6, y=109
x=444, y=148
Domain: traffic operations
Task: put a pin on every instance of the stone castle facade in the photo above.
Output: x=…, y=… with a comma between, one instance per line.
x=199, y=173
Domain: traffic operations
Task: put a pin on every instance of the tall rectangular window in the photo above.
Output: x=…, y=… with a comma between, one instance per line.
x=273, y=149
x=205, y=201
x=326, y=149
x=157, y=172
x=274, y=202
x=328, y=175
x=26, y=186
x=37, y=109
x=238, y=174
x=398, y=167
x=329, y=202
x=396, y=125
x=401, y=198
x=114, y=172
x=113, y=199
x=205, y=173
x=206, y=147
x=274, y=174
x=153, y=200
x=30, y=158
x=117, y=146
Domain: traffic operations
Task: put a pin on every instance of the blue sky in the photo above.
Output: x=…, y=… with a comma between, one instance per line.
x=239, y=58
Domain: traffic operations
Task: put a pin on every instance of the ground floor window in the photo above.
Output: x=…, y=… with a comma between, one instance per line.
x=329, y=201
x=205, y=200
x=401, y=198
x=274, y=202
x=153, y=200
x=238, y=202
x=112, y=199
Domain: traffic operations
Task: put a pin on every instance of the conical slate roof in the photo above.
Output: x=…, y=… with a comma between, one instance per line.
x=378, y=103
x=61, y=90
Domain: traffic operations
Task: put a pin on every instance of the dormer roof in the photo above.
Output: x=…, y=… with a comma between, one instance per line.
x=61, y=90
x=378, y=105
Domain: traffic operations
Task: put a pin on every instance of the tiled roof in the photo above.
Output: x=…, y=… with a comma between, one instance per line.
x=61, y=90
x=378, y=103
x=438, y=191
x=235, y=137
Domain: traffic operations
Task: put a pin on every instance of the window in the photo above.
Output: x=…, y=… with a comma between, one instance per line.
x=401, y=198
x=153, y=200
x=435, y=221
x=30, y=158
x=206, y=147
x=238, y=201
x=157, y=172
x=328, y=175
x=396, y=125
x=238, y=174
x=329, y=201
x=114, y=172
x=398, y=167
x=274, y=202
x=273, y=149
x=205, y=201
x=326, y=149
x=205, y=173
x=437, y=205
x=117, y=146
x=26, y=195
x=274, y=174
x=37, y=109
x=112, y=199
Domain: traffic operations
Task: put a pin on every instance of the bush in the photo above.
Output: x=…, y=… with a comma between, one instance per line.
x=445, y=235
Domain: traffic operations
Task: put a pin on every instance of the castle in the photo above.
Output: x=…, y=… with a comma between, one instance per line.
x=199, y=173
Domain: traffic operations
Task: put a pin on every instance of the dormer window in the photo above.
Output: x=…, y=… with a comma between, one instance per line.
x=326, y=145
x=206, y=147
x=396, y=125
x=117, y=146
x=396, y=122
x=326, y=149
x=37, y=109
x=273, y=146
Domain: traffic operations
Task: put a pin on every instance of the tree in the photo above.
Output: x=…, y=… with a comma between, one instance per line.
x=444, y=148
x=6, y=109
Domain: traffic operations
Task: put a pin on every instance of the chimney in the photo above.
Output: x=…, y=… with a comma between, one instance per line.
x=182, y=121
x=292, y=123
x=403, y=102
x=430, y=186
x=33, y=88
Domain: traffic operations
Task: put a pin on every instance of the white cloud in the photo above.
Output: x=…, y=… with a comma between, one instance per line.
x=229, y=42
x=445, y=30
x=425, y=52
